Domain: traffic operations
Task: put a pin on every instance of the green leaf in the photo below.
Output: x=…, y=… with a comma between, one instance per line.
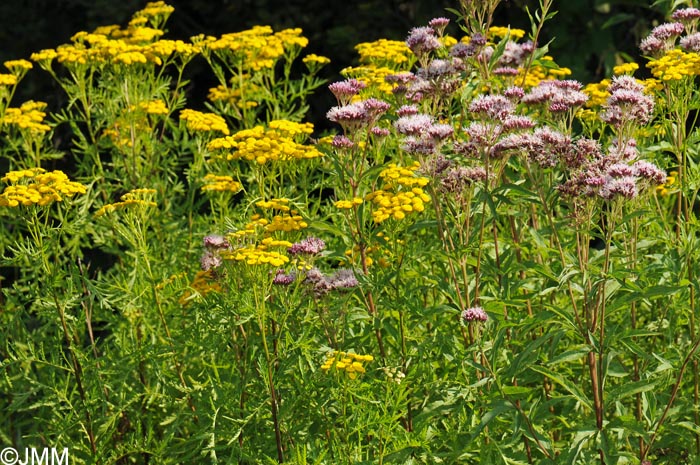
x=689, y=426
x=660, y=291
x=580, y=439
x=529, y=354
x=629, y=389
x=569, y=386
x=516, y=390
x=576, y=354
x=617, y=19
x=500, y=407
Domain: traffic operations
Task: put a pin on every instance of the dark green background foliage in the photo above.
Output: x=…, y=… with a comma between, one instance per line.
x=589, y=35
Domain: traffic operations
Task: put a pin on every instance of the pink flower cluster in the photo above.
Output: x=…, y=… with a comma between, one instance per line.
x=615, y=175
x=308, y=246
x=342, y=279
x=356, y=115
x=475, y=314
x=627, y=103
x=557, y=96
x=423, y=135
x=214, y=244
x=661, y=39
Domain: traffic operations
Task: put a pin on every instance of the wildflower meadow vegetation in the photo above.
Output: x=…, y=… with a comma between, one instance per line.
x=484, y=262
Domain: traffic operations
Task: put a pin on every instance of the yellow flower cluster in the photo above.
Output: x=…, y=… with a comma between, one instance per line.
x=256, y=48
x=348, y=204
x=133, y=198
x=538, y=73
x=379, y=59
x=625, y=68
x=18, y=67
x=203, y=284
x=289, y=221
x=198, y=121
x=44, y=57
x=30, y=115
x=397, y=204
x=262, y=145
x=447, y=41
x=127, y=51
x=314, y=62
x=384, y=53
x=215, y=183
x=153, y=9
x=502, y=31
x=374, y=77
x=136, y=33
x=292, y=38
x=260, y=254
x=352, y=364
x=395, y=175
x=651, y=85
x=154, y=107
x=674, y=65
x=291, y=128
x=8, y=79
x=18, y=64
x=242, y=94
x=163, y=49
x=137, y=44
x=669, y=187
x=286, y=223
x=401, y=193
x=280, y=204
x=251, y=229
x=597, y=93
x=37, y=187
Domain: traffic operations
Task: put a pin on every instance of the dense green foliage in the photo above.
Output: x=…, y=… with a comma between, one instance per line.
x=481, y=261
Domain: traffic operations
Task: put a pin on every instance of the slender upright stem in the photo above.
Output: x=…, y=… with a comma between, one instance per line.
x=674, y=393
x=545, y=5
x=78, y=373
x=274, y=405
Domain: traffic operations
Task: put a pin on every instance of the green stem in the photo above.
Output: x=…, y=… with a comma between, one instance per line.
x=674, y=394
x=78, y=373
x=544, y=11
x=274, y=406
